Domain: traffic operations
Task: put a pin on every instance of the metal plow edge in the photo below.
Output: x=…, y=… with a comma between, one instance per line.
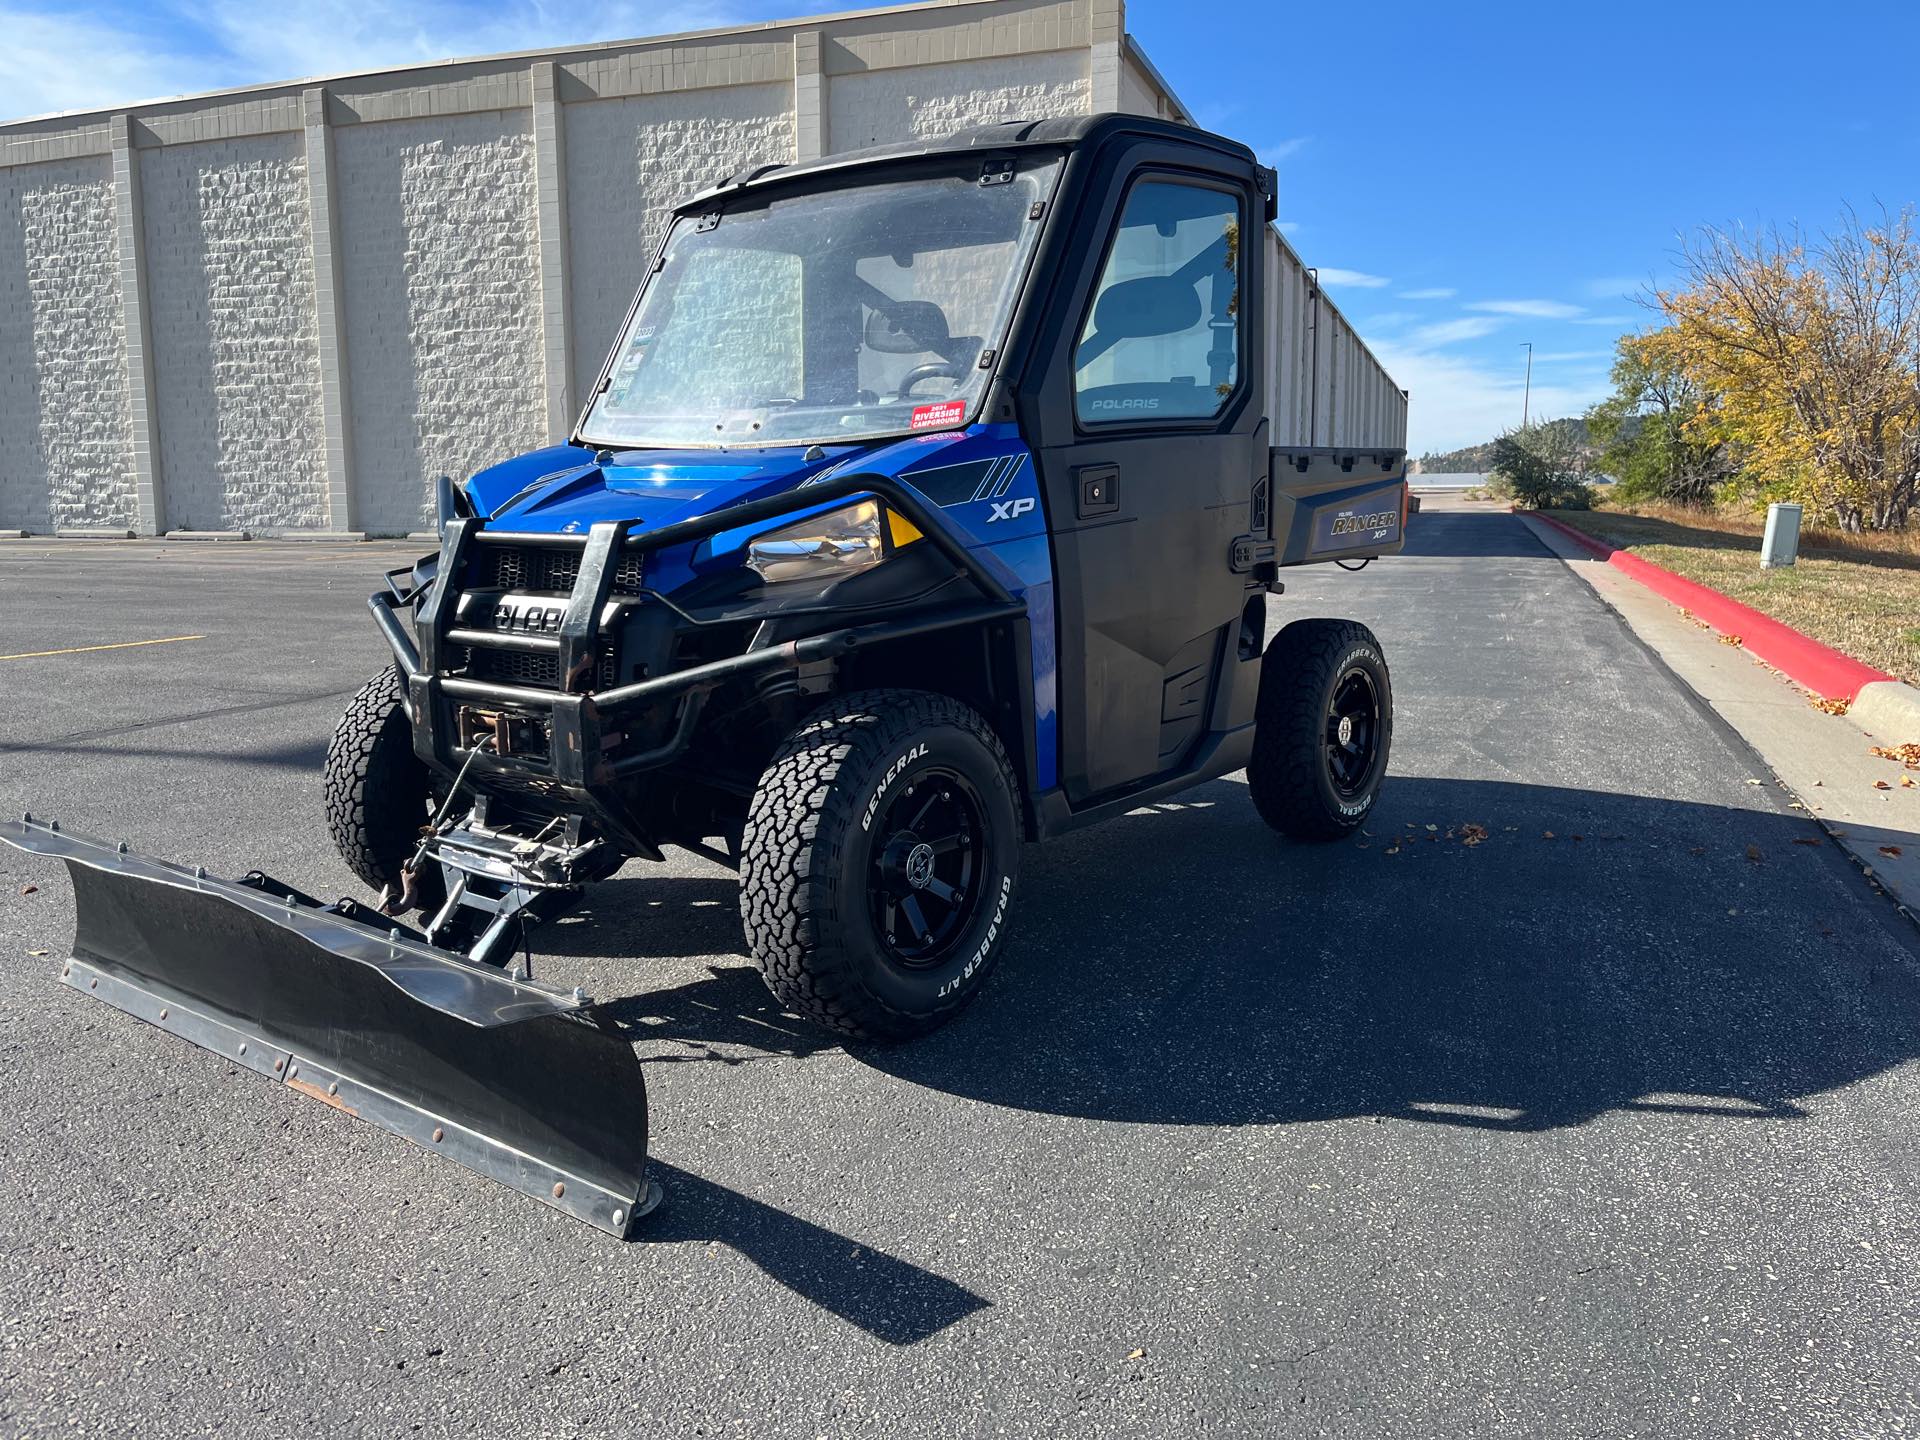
x=520, y=1082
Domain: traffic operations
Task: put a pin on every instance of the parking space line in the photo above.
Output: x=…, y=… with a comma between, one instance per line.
x=84, y=649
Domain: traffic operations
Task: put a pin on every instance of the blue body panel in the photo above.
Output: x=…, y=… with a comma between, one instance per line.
x=979, y=481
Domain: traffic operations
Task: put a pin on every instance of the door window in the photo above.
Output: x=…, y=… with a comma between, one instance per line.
x=1161, y=339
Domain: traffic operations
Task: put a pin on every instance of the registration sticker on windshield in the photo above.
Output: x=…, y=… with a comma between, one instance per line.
x=943, y=416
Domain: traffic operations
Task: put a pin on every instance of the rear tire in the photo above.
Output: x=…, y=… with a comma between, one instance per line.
x=879, y=861
x=378, y=793
x=1311, y=776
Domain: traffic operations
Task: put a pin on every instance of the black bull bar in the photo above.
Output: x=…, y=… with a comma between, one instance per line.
x=522, y=1083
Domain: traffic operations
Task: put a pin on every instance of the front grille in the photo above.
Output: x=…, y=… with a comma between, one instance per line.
x=548, y=568
x=525, y=667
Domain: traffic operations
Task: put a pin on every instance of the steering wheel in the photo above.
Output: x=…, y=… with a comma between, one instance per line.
x=932, y=370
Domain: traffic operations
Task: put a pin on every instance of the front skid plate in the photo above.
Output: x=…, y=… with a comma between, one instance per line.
x=518, y=1082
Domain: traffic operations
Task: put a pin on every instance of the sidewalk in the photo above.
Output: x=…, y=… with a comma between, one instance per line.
x=1823, y=759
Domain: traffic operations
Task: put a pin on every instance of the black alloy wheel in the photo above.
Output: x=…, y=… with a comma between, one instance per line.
x=929, y=852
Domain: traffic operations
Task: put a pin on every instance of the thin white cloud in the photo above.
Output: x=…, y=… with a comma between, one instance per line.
x=1287, y=227
x=1453, y=332
x=1618, y=322
x=1281, y=149
x=119, y=54
x=1435, y=292
x=1456, y=401
x=1570, y=357
x=1531, y=309
x=1356, y=279
x=1616, y=287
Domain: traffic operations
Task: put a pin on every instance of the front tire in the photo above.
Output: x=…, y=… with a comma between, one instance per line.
x=1323, y=728
x=378, y=793
x=879, y=861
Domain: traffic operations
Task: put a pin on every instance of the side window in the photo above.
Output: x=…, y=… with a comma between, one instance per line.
x=1161, y=337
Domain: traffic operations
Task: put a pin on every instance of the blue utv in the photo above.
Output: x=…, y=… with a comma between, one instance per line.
x=924, y=508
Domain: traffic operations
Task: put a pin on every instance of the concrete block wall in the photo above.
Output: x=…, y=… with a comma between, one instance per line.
x=286, y=308
x=64, y=458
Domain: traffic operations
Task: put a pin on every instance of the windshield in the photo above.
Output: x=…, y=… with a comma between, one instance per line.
x=826, y=317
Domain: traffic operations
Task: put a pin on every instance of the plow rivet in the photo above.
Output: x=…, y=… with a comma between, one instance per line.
x=243, y=1047
x=199, y=872
x=292, y=1070
x=163, y=1014
x=122, y=847
x=333, y=1087
x=93, y=984
x=619, y=1216
x=278, y=1063
x=438, y=1134
x=558, y=1190
x=53, y=824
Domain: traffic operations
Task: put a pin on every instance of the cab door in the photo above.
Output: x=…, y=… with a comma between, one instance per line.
x=1151, y=438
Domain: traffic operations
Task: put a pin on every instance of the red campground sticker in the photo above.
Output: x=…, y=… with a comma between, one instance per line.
x=938, y=417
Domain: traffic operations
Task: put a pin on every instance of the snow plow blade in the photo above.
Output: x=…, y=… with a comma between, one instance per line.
x=519, y=1082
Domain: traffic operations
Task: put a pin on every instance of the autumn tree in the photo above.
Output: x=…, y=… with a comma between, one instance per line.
x=1814, y=355
x=1656, y=431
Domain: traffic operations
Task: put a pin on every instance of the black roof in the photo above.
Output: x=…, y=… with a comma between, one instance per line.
x=1064, y=132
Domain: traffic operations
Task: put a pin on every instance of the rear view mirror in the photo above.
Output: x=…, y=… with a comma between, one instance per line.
x=1149, y=305
x=911, y=327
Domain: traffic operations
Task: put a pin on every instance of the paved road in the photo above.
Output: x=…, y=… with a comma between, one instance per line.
x=1603, y=1126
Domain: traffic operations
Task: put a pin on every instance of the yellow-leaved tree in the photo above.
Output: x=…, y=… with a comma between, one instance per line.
x=1812, y=355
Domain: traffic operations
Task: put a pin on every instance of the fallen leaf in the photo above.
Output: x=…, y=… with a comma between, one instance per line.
x=1393, y=850
x=1578, y=838
x=1698, y=850
x=1832, y=707
x=1881, y=785
x=1753, y=782
x=1907, y=755
x=1891, y=851
x=1136, y=1354
x=1753, y=853
x=39, y=954
x=1906, y=782
x=1471, y=834
x=28, y=889
x=1546, y=835
x=1729, y=639
x=1807, y=840
x=1433, y=827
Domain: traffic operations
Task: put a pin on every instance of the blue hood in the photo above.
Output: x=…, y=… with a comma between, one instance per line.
x=562, y=489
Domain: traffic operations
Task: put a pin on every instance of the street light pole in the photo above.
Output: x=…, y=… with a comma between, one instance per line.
x=1526, y=398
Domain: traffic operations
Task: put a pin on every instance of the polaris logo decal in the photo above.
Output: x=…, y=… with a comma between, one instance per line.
x=1010, y=509
x=534, y=617
x=1137, y=404
x=893, y=773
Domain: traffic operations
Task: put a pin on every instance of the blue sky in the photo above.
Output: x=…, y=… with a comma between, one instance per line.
x=1467, y=176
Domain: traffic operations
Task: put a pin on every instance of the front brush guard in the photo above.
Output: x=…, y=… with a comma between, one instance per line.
x=519, y=1082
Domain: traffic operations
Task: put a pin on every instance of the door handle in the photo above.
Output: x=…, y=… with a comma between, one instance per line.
x=1096, y=490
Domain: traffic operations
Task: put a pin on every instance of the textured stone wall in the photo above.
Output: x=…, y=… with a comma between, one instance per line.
x=441, y=237
x=64, y=459
x=231, y=311
x=630, y=161
x=878, y=107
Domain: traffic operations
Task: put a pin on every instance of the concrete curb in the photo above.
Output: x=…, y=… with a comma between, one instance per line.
x=1888, y=710
x=1801, y=658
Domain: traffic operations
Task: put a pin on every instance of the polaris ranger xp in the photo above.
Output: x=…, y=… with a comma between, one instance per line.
x=924, y=507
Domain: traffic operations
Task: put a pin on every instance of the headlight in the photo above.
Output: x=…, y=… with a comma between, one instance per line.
x=824, y=547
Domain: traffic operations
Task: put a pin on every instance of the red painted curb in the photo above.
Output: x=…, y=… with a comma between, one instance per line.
x=1801, y=658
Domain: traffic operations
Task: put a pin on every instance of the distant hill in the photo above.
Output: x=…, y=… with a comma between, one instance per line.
x=1477, y=459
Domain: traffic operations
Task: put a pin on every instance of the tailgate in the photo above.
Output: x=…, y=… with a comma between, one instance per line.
x=1337, y=504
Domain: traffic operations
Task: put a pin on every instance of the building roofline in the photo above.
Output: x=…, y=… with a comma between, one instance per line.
x=555, y=52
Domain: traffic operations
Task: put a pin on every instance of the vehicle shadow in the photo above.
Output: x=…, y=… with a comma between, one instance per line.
x=891, y=1299
x=1589, y=953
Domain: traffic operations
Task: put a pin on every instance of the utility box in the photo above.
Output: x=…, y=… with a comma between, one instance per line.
x=1781, y=544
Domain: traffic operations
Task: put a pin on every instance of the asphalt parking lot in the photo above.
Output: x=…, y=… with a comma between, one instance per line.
x=1605, y=1124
